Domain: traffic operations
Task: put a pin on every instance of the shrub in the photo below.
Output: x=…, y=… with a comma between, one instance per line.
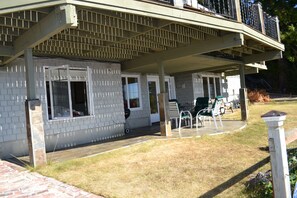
x=258, y=96
x=261, y=184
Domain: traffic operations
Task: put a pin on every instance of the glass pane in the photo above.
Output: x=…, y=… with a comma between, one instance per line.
x=218, y=86
x=79, y=98
x=153, y=97
x=205, y=87
x=167, y=88
x=60, y=93
x=124, y=89
x=48, y=97
x=211, y=88
x=133, y=90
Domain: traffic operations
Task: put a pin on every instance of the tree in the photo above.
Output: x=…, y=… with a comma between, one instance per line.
x=286, y=68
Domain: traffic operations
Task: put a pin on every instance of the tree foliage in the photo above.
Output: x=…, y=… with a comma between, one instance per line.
x=281, y=74
x=286, y=10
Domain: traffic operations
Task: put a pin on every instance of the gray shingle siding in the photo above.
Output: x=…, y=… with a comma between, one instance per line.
x=106, y=122
x=184, y=88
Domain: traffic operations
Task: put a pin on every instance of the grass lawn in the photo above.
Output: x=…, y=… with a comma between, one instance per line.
x=207, y=166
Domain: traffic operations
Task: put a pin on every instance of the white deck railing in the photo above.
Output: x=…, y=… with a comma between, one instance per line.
x=243, y=11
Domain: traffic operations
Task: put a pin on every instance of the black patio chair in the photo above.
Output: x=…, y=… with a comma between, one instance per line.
x=201, y=103
x=212, y=112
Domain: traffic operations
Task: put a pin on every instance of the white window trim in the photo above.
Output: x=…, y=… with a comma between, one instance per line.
x=208, y=85
x=139, y=89
x=89, y=93
x=171, y=85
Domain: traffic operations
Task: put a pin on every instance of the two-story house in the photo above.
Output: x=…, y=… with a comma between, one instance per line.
x=70, y=67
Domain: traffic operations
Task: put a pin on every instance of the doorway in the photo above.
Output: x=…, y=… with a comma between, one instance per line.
x=154, y=90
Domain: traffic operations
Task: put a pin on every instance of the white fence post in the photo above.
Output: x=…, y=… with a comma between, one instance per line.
x=278, y=153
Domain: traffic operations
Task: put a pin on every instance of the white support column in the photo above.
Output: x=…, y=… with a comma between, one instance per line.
x=34, y=119
x=165, y=123
x=277, y=29
x=278, y=153
x=243, y=95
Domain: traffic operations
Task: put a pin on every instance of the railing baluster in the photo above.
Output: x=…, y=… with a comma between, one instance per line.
x=250, y=14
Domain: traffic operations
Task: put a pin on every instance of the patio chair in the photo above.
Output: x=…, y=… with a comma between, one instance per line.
x=200, y=103
x=175, y=113
x=212, y=112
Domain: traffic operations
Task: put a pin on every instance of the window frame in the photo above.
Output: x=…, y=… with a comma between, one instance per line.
x=88, y=90
x=126, y=76
x=208, y=84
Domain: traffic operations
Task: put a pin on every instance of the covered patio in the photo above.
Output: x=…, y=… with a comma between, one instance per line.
x=136, y=136
x=103, y=40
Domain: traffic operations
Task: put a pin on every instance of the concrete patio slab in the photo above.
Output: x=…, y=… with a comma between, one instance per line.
x=136, y=136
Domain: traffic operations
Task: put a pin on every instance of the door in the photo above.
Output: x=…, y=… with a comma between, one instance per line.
x=154, y=90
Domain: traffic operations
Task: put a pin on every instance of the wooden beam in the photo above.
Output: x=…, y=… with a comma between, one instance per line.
x=251, y=70
x=197, y=47
x=61, y=18
x=266, y=56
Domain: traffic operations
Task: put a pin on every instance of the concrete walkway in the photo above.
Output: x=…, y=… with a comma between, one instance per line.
x=19, y=182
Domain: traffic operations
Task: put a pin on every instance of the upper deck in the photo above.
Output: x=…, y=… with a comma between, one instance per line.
x=219, y=34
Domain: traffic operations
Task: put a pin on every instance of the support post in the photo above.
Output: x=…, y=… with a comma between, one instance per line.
x=260, y=13
x=243, y=95
x=238, y=11
x=278, y=153
x=277, y=29
x=178, y=3
x=30, y=75
x=165, y=123
x=34, y=119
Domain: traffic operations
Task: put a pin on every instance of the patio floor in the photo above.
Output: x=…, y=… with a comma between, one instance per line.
x=135, y=136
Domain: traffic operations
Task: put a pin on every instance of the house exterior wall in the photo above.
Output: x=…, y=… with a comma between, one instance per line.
x=184, y=88
x=106, y=122
x=198, y=83
x=140, y=117
x=190, y=86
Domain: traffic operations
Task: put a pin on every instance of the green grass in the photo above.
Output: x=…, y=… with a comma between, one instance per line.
x=210, y=165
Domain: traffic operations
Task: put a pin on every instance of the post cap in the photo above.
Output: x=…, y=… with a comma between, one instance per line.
x=273, y=113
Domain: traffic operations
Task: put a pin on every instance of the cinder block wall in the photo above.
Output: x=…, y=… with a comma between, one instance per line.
x=107, y=121
x=198, y=85
x=184, y=88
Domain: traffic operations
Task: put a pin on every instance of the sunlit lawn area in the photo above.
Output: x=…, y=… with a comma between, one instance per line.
x=210, y=165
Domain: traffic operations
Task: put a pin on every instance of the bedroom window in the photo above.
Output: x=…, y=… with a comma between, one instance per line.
x=67, y=92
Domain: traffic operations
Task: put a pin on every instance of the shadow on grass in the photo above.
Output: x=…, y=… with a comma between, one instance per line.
x=237, y=178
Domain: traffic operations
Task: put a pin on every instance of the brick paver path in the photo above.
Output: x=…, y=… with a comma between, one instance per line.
x=18, y=182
